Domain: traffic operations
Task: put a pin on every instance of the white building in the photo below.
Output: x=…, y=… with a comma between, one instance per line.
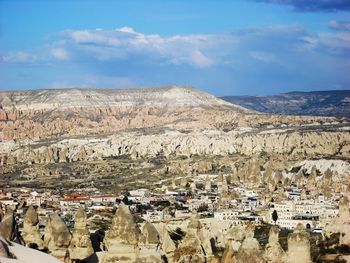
x=237, y=217
x=8, y=201
x=153, y=216
x=34, y=199
x=182, y=213
x=310, y=214
x=227, y=214
x=139, y=192
x=103, y=199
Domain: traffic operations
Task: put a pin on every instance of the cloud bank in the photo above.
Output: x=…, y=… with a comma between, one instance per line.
x=197, y=50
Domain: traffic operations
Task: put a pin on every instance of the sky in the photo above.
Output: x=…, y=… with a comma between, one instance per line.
x=224, y=47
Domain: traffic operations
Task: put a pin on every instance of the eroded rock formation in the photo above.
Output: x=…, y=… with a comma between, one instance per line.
x=138, y=145
x=79, y=111
x=33, y=117
x=298, y=246
x=122, y=238
x=168, y=246
x=149, y=245
x=123, y=229
x=57, y=237
x=250, y=250
x=150, y=234
x=341, y=224
x=273, y=250
x=31, y=234
x=195, y=246
x=235, y=237
x=80, y=246
x=12, y=252
x=7, y=225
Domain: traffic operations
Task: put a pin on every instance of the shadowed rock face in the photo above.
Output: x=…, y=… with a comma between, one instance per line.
x=31, y=216
x=228, y=255
x=149, y=245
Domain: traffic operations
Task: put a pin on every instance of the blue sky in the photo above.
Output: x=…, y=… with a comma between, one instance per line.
x=223, y=47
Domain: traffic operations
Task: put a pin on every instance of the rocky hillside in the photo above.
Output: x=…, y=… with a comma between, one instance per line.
x=316, y=103
x=44, y=114
x=54, y=126
x=294, y=145
x=41, y=114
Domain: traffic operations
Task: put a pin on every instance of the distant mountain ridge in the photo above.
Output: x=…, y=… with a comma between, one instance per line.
x=315, y=103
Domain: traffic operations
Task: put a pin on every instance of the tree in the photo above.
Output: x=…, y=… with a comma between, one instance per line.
x=126, y=200
x=274, y=216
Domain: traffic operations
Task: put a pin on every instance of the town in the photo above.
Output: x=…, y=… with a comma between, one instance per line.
x=216, y=198
x=220, y=203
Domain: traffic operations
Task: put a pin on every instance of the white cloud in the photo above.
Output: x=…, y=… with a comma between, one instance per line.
x=124, y=42
x=85, y=36
x=333, y=43
x=18, y=57
x=198, y=59
x=267, y=45
x=126, y=30
x=59, y=53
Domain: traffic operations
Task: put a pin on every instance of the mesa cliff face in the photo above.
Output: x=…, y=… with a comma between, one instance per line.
x=53, y=126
